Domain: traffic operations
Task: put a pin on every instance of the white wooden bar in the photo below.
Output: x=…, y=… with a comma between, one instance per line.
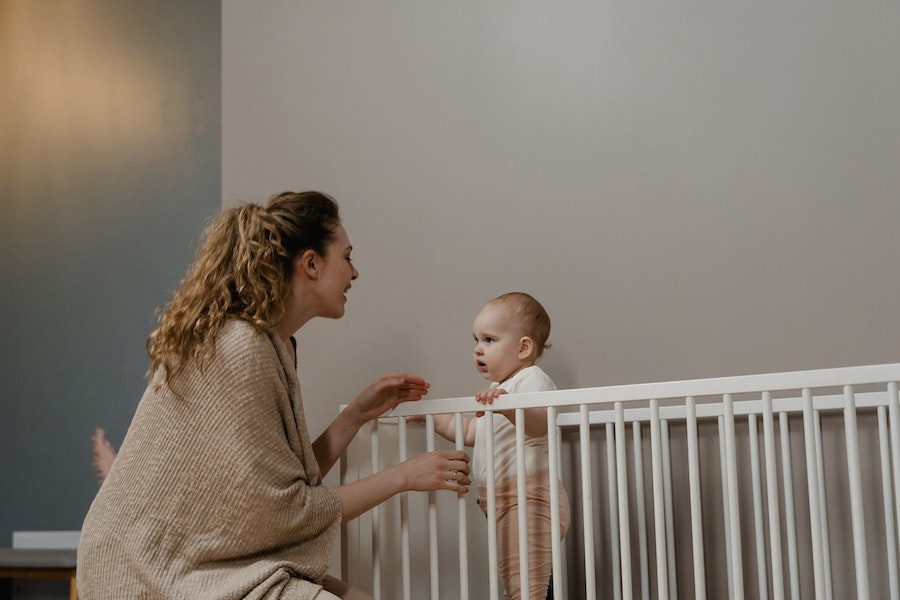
x=790, y=527
x=734, y=510
x=887, y=500
x=726, y=505
x=812, y=479
x=491, y=492
x=759, y=528
x=624, y=517
x=659, y=520
x=432, y=516
x=696, y=505
x=613, y=513
x=823, y=509
x=741, y=408
x=584, y=439
x=404, y=516
x=772, y=497
x=461, y=519
x=856, y=499
x=670, y=518
x=562, y=549
x=894, y=413
x=555, y=529
x=674, y=389
x=522, y=510
x=376, y=518
x=641, y=510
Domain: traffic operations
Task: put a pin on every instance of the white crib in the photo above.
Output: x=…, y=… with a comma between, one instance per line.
x=762, y=556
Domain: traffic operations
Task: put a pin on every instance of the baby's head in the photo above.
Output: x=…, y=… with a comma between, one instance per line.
x=511, y=333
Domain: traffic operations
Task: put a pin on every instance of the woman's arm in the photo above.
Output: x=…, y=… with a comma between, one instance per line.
x=446, y=470
x=329, y=446
x=445, y=426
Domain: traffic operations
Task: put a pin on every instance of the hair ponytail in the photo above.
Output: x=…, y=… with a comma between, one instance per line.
x=242, y=270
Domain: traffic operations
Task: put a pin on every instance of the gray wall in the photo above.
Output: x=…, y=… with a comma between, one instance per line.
x=692, y=189
x=109, y=165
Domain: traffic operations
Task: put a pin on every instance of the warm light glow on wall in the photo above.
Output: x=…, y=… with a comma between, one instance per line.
x=77, y=83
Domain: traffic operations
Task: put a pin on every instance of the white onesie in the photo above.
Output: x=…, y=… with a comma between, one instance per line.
x=529, y=379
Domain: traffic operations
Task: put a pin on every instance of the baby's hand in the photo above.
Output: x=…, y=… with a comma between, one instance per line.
x=487, y=397
x=415, y=419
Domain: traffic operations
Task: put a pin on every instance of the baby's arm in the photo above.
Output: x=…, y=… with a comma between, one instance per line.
x=445, y=426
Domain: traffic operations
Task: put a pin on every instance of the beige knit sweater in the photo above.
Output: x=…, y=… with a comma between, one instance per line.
x=216, y=495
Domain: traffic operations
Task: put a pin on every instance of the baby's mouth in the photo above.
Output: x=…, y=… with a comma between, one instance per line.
x=481, y=365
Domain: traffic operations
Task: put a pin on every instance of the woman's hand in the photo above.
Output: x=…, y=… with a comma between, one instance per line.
x=441, y=470
x=386, y=393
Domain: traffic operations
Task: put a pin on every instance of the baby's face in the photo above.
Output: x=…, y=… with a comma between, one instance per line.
x=497, y=338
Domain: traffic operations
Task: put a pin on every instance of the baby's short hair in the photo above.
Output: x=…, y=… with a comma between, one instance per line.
x=533, y=316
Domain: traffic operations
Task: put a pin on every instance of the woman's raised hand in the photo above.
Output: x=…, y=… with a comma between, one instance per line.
x=386, y=393
x=441, y=470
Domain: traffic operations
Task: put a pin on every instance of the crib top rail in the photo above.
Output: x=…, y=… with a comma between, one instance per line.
x=609, y=395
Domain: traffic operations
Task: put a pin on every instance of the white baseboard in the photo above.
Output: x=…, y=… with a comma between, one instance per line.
x=46, y=540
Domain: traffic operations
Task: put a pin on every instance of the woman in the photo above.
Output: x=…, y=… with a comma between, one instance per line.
x=217, y=490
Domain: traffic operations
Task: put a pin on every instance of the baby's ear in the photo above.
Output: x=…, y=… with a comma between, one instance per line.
x=526, y=347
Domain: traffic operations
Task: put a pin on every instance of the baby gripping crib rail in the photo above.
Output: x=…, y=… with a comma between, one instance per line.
x=615, y=407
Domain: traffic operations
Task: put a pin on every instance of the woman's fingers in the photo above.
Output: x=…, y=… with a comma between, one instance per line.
x=458, y=465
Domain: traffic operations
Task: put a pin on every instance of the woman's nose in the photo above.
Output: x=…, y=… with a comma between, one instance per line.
x=355, y=274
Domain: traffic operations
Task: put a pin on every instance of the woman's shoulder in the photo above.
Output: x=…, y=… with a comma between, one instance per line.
x=241, y=341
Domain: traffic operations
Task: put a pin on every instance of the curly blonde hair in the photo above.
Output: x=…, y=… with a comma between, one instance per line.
x=242, y=270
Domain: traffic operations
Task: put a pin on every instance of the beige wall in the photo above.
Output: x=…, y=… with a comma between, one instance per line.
x=692, y=189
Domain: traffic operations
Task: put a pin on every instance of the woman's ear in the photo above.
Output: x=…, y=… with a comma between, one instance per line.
x=308, y=264
x=526, y=347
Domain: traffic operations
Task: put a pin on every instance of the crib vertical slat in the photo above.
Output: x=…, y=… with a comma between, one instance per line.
x=404, y=516
x=662, y=577
x=790, y=525
x=432, y=515
x=734, y=510
x=641, y=510
x=562, y=547
x=522, y=510
x=759, y=528
x=670, y=518
x=696, y=508
x=856, y=499
x=812, y=477
x=772, y=496
x=584, y=438
x=894, y=413
x=723, y=463
x=555, y=529
x=890, y=539
x=491, y=504
x=461, y=516
x=823, y=509
x=376, y=518
x=613, y=512
x=622, y=475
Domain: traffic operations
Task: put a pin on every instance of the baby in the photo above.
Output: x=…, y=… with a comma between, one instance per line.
x=511, y=333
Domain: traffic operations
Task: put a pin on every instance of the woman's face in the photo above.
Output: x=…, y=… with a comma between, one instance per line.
x=336, y=274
